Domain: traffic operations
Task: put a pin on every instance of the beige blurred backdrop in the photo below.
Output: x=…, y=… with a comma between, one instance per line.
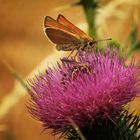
x=24, y=46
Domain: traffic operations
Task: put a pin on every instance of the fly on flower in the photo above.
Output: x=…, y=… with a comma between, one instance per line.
x=75, y=69
x=67, y=36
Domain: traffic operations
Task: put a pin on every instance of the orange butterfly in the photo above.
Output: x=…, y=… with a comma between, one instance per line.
x=67, y=36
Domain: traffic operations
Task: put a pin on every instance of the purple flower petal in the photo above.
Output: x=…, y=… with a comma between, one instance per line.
x=85, y=95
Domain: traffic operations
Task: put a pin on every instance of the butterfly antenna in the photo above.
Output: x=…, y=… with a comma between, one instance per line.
x=103, y=40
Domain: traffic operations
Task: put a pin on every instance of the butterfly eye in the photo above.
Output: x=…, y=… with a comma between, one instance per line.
x=90, y=43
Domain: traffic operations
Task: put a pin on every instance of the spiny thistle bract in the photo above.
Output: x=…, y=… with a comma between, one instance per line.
x=91, y=96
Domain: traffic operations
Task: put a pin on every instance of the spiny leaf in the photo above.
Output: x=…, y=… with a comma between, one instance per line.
x=126, y=129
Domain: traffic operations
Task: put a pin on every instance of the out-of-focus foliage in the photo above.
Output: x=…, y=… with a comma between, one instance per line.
x=132, y=43
x=90, y=9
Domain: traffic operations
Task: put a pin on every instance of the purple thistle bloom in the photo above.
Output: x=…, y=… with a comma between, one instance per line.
x=83, y=94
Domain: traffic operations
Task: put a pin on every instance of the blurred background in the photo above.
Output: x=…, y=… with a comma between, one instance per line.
x=25, y=50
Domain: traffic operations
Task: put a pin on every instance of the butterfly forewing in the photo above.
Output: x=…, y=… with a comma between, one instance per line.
x=61, y=19
x=50, y=22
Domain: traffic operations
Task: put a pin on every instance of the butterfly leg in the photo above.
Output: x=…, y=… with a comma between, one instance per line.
x=78, y=50
x=75, y=55
x=71, y=53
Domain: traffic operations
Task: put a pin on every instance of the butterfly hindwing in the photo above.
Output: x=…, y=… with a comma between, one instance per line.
x=64, y=40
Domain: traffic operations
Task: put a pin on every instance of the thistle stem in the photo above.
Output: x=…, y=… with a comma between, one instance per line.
x=90, y=9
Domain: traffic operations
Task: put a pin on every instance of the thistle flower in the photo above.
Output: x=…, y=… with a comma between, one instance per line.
x=94, y=89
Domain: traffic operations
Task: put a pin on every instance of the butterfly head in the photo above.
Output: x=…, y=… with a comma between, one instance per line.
x=91, y=43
